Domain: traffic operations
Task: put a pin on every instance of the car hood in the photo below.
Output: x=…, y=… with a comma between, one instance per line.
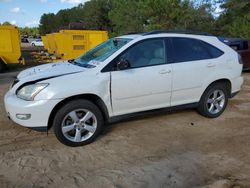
x=49, y=70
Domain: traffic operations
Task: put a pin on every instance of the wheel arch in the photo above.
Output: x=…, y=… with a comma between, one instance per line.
x=227, y=83
x=91, y=97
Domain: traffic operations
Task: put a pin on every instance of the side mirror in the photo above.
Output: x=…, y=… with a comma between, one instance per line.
x=123, y=64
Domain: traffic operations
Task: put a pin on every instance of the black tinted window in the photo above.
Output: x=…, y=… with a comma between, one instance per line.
x=145, y=53
x=213, y=51
x=187, y=49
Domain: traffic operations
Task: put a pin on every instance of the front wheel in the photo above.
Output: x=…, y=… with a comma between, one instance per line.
x=78, y=123
x=214, y=100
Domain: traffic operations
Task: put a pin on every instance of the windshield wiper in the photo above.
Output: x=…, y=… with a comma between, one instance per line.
x=71, y=60
x=85, y=65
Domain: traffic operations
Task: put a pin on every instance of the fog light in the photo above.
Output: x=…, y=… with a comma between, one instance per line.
x=23, y=116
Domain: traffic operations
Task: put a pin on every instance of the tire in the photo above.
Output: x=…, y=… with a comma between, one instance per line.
x=212, y=105
x=2, y=66
x=78, y=123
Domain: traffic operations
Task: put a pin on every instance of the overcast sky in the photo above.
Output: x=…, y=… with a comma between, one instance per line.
x=28, y=12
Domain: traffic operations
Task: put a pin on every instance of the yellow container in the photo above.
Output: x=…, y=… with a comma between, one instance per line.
x=51, y=43
x=10, y=47
x=45, y=42
x=61, y=45
x=70, y=44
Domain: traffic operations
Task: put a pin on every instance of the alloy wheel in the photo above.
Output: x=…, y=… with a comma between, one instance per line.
x=216, y=101
x=79, y=125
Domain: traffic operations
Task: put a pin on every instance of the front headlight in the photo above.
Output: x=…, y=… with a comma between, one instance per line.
x=30, y=91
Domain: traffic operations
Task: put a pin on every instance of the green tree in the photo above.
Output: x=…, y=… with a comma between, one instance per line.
x=127, y=16
x=96, y=14
x=178, y=14
x=235, y=19
x=6, y=23
x=29, y=31
x=124, y=16
x=47, y=23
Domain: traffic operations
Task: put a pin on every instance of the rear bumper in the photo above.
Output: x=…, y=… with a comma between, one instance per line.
x=234, y=94
x=236, y=84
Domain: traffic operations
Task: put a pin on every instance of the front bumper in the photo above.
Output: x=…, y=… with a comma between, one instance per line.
x=39, y=110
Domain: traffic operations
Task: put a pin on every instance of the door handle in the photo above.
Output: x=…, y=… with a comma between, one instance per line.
x=164, y=71
x=211, y=65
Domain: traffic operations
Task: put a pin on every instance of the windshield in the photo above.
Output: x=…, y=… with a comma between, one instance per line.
x=101, y=52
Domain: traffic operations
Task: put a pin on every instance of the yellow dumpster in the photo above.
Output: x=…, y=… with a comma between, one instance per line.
x=70, y=44
x=51, y=43
x=45, y=42
x=10, y=47
x=61, y=45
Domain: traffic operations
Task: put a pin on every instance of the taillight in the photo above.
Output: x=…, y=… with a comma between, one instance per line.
x=240, y=59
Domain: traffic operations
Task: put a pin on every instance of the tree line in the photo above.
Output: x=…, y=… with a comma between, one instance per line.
x=229, y=18
x=124, y=16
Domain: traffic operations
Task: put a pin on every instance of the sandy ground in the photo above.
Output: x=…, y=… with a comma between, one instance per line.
x=180, y=149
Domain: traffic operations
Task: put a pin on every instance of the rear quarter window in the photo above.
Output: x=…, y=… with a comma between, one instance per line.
x=213, y=51
x=187, y=49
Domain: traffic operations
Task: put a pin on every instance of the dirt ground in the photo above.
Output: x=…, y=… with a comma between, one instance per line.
x=180, y=149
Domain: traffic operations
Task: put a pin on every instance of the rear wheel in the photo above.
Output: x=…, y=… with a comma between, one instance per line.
x=78, y=123
x=214, y=100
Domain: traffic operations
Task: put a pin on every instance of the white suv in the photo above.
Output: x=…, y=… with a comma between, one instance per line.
x=126, y=74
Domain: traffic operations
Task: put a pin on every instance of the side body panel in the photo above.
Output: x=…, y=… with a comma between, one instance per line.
x=141, y=89
x=190, y=79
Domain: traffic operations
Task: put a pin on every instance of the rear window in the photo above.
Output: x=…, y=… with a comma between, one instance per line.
x=187, y=49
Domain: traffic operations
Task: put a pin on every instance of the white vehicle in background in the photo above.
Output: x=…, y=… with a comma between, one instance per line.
x=124, y=75
x=37, y=42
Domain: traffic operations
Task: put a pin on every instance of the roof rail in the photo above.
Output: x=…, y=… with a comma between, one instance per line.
x=177, y=31
x=134, y=33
